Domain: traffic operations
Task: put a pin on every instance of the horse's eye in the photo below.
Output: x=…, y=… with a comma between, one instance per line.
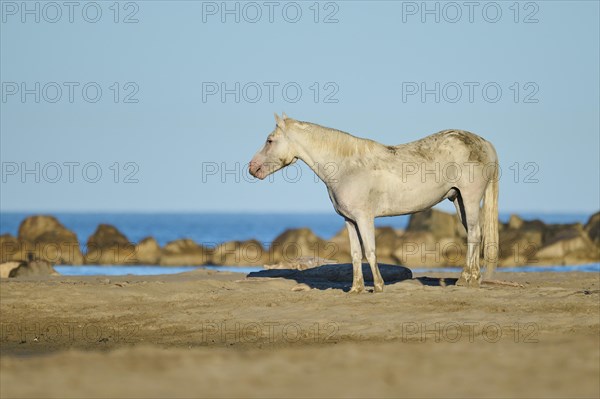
x=269, y=141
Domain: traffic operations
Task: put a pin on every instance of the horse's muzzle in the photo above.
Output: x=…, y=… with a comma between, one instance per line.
x=255, y=170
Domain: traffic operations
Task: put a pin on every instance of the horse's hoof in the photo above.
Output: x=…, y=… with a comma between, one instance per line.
x=474, y=283
x=470, y=283
x=378, y=288
x=356, y=290
x=462, y=282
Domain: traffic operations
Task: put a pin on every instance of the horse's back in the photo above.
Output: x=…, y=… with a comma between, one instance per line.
x=450, y=145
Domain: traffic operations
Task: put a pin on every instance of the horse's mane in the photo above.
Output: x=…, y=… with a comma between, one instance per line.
x=342, y=143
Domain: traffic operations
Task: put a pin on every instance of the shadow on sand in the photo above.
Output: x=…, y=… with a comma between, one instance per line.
x=437, y=281
x=339, y=276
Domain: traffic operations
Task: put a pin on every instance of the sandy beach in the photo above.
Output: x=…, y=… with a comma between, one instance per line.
x=206, y=333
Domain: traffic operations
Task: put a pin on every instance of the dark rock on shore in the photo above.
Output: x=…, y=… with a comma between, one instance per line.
x=107, y=236
x=33, y=268
x=520, y=240
x=147, y=252
x=108, y=246
x=9, y=248
x=432, y=238
x=184, y=252
x=570, y=245
x=240, y=253
x=7, y=267
x=387, y=240
x=297, y=243
x=440, y=224
x=536, y=243
x=592, y=228
x=45, y=238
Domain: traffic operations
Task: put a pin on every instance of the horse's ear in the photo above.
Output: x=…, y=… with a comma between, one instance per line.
x=284, y=116
x=280, y=122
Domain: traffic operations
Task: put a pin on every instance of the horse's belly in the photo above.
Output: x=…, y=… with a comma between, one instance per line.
x=384, y=194
x=398, y=195
x=400, y=202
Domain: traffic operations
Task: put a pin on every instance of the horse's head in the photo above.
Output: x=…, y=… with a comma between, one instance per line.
x=278, y=151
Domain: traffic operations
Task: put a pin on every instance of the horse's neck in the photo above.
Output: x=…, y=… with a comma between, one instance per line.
x=319, y=150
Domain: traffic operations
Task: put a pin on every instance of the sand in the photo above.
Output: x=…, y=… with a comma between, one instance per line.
x=215, y=334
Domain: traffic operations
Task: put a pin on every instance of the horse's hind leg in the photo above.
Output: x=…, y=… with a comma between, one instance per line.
x=471, y=274
x=358, y=283
x=366, y=228
x=460, y=211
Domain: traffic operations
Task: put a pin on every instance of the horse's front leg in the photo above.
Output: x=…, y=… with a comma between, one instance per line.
x=358, y=283
x=366, y=228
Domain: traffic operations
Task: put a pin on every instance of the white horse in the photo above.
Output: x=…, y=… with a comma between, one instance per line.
x=366, y=179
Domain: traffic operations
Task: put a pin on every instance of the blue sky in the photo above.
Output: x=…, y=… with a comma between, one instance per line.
x=163, y=138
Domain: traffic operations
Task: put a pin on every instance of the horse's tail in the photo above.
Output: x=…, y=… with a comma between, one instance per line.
x=490, y=240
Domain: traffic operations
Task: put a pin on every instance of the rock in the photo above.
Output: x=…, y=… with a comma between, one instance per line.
x=184, y=252
x=33, y=268
x=386, y=241
x=341, y=244
x=570, y=246
x=108, y=246
x=533, y=242
x=107, y=236
x=9, y=248
x=425, y=249
x=7, y=267
x=239, y=253
x=432, y=239
x=521, y=239
x=298, y=243
x=440, y=224
x=45, y=238
x=592, y=228
x=336, y=275
x=553, y=232
x=519, y=246
x=147, y=252
x=303, y=263
x=515, y=222
x=34, y=227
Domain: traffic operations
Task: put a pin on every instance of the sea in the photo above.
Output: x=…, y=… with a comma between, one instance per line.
x=213, y=228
